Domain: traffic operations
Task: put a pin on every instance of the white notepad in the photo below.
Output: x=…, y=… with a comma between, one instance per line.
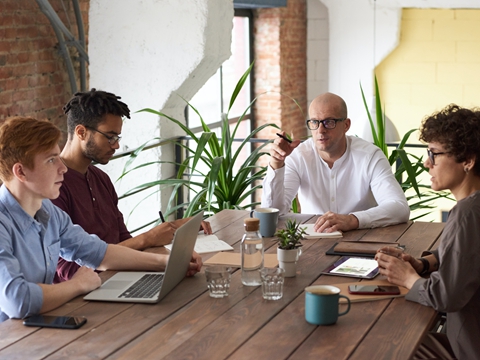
x=311, y=234
x=207, y=244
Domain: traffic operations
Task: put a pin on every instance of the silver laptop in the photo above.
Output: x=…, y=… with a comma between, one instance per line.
x=151, y=287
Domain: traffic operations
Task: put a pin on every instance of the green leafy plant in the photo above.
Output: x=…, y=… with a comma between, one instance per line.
x=408, y=166
x=208, y=170
x=289, y=238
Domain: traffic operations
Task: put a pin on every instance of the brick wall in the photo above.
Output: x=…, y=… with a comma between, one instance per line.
x=280, y=71
x=33, y=77
x=280, y=68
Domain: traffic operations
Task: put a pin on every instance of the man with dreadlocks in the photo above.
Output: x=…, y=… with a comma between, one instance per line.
x=94, y=123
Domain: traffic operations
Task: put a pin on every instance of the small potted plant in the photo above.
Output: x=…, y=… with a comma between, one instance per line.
x=289, y=246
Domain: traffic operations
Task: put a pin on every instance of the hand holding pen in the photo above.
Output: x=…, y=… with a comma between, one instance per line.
x=162, y=219
x=280, y=149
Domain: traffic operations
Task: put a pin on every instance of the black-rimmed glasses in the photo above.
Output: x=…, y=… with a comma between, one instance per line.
x=112, y=139
x=327, y=123
x=431, y=155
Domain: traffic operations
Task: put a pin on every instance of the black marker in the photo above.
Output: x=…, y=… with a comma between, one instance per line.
x=161, y=216
x=284, y=138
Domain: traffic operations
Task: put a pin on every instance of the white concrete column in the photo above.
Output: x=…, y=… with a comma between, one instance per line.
x=148, y=52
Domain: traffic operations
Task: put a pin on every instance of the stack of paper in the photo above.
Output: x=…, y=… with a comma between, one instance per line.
x=311, y=234
x=207, y=244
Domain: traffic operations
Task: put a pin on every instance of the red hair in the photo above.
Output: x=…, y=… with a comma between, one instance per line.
x=21, y=138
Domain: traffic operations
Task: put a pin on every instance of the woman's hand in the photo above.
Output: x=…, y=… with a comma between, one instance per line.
x=398, y=270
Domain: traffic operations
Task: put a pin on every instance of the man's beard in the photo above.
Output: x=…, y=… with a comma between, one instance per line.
x=92, y=152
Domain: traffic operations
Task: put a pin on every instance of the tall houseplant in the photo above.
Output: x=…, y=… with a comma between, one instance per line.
x=220, y=186
x=408, y=166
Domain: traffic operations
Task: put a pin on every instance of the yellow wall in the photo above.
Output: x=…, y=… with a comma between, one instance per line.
x=437, y=62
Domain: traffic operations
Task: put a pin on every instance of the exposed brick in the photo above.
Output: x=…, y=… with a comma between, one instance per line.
x=33, y=78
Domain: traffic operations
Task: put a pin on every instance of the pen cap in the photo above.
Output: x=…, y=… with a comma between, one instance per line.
x=251, y=224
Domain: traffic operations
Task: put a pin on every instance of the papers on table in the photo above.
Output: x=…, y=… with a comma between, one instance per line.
x=207, y=244
x=311, y=234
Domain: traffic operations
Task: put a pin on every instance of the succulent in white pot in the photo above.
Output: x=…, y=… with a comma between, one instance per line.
x=289, y=246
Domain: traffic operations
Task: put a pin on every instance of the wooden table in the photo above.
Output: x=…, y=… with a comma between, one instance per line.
x=188, y=324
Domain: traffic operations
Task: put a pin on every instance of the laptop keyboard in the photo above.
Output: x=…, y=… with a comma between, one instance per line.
x=146, y=287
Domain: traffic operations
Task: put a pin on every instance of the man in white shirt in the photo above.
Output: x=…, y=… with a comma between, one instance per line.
x=344, y=178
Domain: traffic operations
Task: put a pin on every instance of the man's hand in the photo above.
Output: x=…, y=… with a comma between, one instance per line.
x=195, y=264
x=279, y=151
x=87, y=279
x=205, y=226
x=330, y=222
x=163, y=233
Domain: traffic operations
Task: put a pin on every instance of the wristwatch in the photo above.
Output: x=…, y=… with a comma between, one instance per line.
x=426, y=266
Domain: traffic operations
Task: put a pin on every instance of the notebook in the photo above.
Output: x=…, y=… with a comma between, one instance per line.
x=311, y=234
x=119, y=288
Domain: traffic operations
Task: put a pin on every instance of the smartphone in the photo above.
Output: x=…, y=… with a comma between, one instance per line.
x=374, y=289
x=60, y=322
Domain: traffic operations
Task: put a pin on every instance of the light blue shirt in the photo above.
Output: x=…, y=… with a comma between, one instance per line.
x=29, y=252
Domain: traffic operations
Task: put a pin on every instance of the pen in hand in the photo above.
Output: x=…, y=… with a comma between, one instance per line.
x=284, y=138
x=161, y=216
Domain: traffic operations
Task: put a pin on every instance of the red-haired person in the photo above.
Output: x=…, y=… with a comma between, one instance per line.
x=34, y=233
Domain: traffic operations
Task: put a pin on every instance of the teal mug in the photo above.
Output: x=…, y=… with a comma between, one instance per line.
x=268, y=220
x=321, y=304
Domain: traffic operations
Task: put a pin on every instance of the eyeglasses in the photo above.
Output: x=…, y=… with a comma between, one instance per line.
x=327, y=123
x=112, y=139
x=431, y=155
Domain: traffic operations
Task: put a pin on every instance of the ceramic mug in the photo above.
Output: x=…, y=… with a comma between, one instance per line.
x=268, y=220
x=321, y=304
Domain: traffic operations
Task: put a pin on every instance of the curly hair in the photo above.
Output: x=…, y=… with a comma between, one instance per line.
x=21, y=138
x=88, y=109
x=458, y=130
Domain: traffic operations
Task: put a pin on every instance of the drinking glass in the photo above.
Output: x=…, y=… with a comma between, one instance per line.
x=218, y=280
x=272, y=283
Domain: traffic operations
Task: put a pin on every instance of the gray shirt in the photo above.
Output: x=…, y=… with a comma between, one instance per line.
x=455, y=287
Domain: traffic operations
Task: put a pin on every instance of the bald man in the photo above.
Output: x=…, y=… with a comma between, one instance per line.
x=345, y=179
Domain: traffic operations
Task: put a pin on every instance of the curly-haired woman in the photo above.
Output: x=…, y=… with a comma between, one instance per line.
x=453, y=287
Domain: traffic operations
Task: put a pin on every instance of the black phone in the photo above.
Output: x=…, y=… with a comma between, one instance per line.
x=60, y=322
x=373, y=289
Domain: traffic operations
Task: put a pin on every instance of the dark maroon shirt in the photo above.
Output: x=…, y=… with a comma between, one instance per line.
x=92, y=202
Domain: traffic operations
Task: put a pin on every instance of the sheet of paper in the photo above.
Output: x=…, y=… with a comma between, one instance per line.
x=311, y=234
x=234, y=259
x=207, y=244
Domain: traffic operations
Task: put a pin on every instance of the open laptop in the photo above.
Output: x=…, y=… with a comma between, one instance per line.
x=151, y=287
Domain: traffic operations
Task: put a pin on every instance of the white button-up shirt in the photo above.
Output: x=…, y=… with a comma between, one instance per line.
x=361, y=183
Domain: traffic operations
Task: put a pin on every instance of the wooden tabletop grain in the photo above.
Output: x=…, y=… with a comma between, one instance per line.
x=188, y=324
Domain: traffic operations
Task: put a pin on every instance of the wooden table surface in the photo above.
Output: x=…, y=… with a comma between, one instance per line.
x=188, y=324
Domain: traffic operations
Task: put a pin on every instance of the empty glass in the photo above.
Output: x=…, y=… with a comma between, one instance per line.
x=272, y=283
x=218, y=280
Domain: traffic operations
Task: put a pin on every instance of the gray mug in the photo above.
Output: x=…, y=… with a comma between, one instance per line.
x=268, y=220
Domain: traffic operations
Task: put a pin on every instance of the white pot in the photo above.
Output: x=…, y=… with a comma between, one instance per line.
x=287, y=260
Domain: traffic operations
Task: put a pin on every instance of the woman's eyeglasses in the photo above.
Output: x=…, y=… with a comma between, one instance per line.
x=431, y=155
